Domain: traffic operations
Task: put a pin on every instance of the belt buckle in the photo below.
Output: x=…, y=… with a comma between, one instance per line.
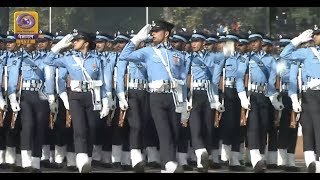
x=260, y=88
x=140, y=86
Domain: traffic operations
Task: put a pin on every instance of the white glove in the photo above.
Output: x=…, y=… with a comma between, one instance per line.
x=244, y=100
x=51, y=99
x=14, y=103
x=53, y=107
x=3, y=104
x=64, y=98
x=217, y=105
x=63, y=43
x=295, y=103
x=303, y=37
x=105, y=108
x=185, y=116
x=276, y=103
x=122, y=101
x=141, y=35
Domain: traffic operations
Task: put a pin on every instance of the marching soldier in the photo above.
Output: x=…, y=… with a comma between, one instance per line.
x=100, y=151
x=287, y=137
x=35, y=92
x=271, y=151
x=165, y=86
x=230, y=127
x=109, y=58
x=179, y=42
x=87, y=90
x=262, y=76
x=205, y=67
x=309, y=57
x=2, y=44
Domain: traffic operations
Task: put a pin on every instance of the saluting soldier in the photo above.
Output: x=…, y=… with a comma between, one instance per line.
x=166, y=75
x=309, y=57
x=87, y=92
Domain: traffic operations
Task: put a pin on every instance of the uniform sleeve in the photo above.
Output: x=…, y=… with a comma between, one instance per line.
x=13, y=75
x=121, y=70
x=52, y=61
x=218, y=66
x=293, y=75
x=290, y=53
x=272, y=78
x=49, y=79
x=240, y=76
x=62, y=80
x=130, y=54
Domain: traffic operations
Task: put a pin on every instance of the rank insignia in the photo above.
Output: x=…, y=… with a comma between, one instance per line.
x=34, y=68
x=176, y=58
x=203, y=66
x=260, y=64
x=14, y=62
x=94, y=66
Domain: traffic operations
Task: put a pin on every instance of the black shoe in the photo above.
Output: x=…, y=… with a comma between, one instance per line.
x=248, y=164
x=95, y=163
x=205, y=160
x=4, y=166
x=86, y=168
x=153, y=165
x=214, y=165
x=260, y=167
x=116, y=165
x=282, y=167
x=17, y=169
x=32, y=170
x=139, y=168
x=291, y=169
x=72, y=168
x=241, y=162
x=186, y=167
x=202, y=170
x=55, y=165
x=192, y=163
x=312, y=167
x=237, y=168
x=106, y=165
x=45, y=163
x=126, y=167
x=179, y=169
x=272, y=166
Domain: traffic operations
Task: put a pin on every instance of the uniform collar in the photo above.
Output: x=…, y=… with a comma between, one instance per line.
x=165, y=45
x=84, y=56
x=260, y=53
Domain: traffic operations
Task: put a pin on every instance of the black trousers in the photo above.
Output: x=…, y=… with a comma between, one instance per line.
x=287, y=137
x=258, y=121
x=136, y=116
x=310, y=121
x=273, y=130
x=149, y=132
x=34, y=120
x=230, y=123
x=184, y=137
x=167, y=123
x=83, y=121
x=201, y=121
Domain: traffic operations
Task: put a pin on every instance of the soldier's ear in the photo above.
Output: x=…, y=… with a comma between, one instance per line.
x=166, y=34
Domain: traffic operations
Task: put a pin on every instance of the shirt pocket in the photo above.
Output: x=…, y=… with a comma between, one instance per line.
x=26, y=71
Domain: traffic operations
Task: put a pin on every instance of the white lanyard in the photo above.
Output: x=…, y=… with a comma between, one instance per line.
x=167, y=65
x=315, y=52
x=84, y=71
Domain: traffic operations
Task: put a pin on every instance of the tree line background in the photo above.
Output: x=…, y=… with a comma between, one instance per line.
x=270, y=20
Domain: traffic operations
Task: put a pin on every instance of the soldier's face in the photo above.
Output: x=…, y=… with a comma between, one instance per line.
x=188, y=47
x=316, y=39
x=11, y=46
x=211, y=47
x=267, y=48
x=197, y=45
x=79, y=44
x=29, y=47
x=45, y=45
x=242, y=48
x=178, y=45
x=120, y=45
x=256, y=45
x=2, y=45
x=220, y=46
x=158, y=36
x=101, y=46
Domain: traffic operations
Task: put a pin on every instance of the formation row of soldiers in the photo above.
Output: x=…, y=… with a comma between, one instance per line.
x=166, y=95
